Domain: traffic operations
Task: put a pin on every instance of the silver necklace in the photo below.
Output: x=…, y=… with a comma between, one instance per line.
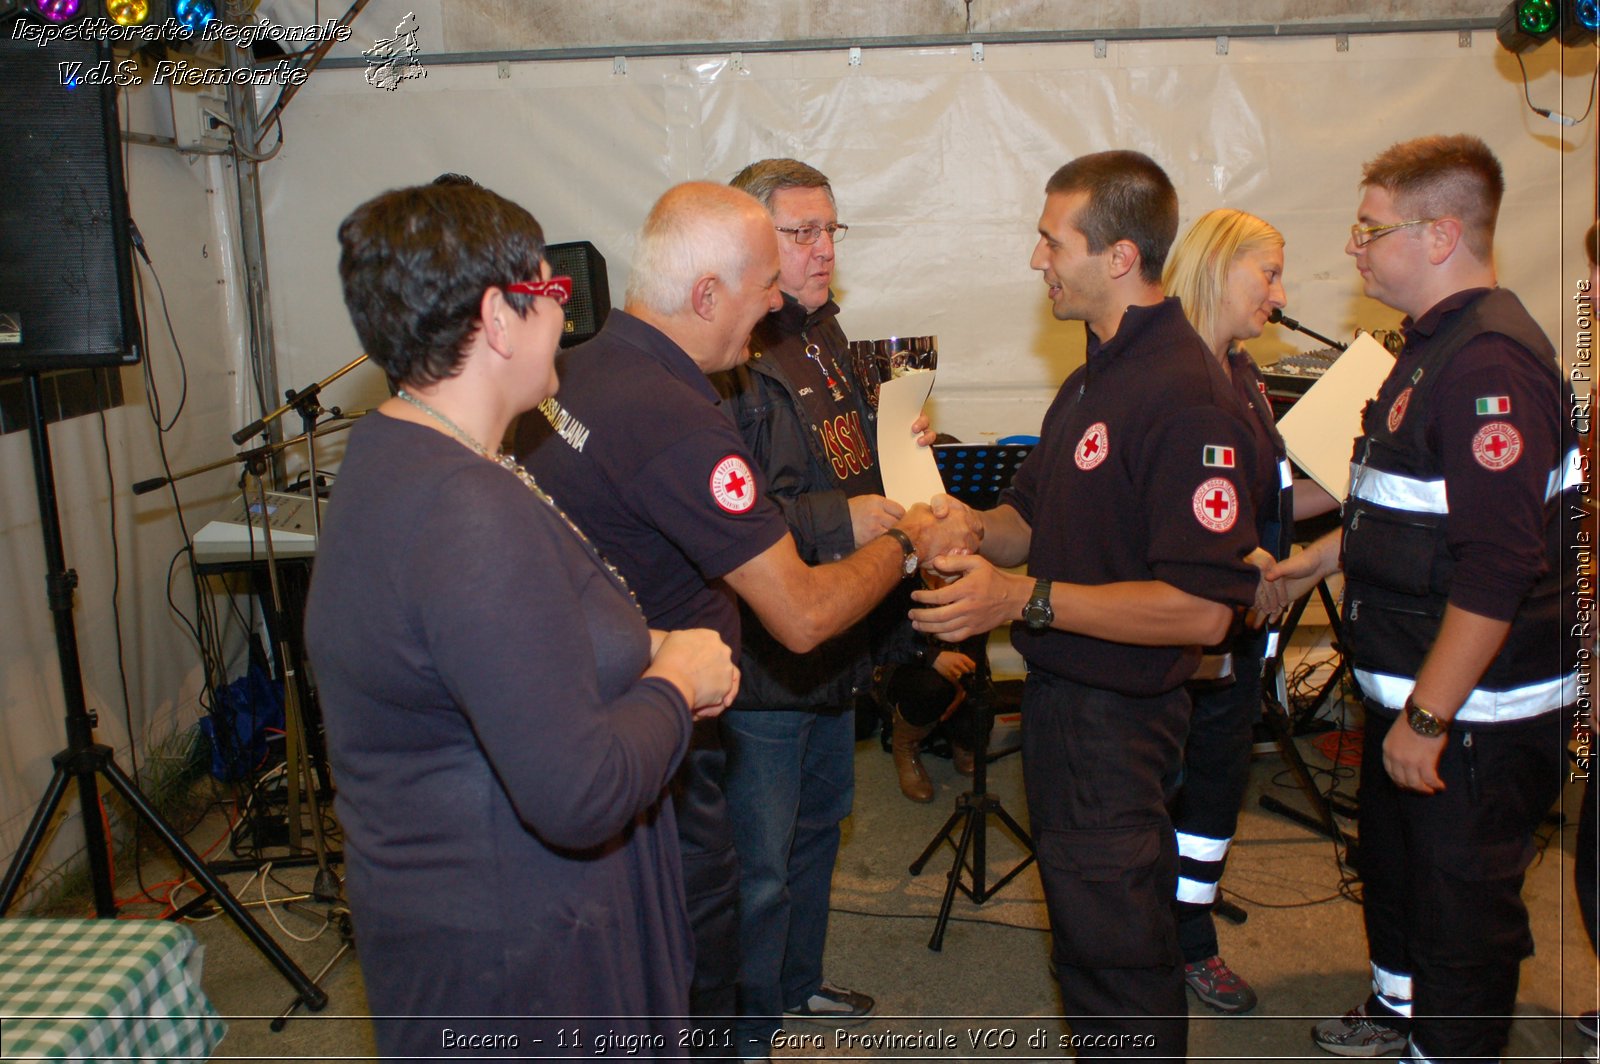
x=515, y=468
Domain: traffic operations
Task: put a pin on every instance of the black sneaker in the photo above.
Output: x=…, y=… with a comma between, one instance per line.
x=833, y=1003
x=1588, y=1025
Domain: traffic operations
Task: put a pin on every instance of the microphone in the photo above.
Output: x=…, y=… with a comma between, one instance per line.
x=1278, y=317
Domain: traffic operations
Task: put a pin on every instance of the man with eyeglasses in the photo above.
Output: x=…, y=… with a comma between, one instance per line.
x=637, y=450
x=791, y=749
x=1453, y=605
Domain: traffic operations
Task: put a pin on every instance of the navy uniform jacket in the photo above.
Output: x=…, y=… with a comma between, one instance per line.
x=1142, y=473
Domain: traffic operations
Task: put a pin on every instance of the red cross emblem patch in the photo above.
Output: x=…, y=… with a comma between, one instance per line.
x=1094, y=446
x=732, y=486
x=1216, y=504
x=1497, y=445
x=1397, y=412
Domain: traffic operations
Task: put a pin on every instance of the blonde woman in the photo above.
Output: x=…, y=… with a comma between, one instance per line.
x=1228, y=273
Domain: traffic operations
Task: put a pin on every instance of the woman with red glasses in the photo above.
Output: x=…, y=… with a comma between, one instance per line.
x=501, y=721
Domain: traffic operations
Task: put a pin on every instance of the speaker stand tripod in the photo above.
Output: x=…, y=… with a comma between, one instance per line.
x=972, y=813
x=84, y=760
x=1275, y=714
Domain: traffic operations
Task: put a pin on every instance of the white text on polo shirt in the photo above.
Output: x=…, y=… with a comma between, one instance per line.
x=569, y=428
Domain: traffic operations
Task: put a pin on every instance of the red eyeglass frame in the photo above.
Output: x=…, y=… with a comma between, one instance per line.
x=557, y=288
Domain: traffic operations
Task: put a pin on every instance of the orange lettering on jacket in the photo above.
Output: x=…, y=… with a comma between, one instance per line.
x=846, y=445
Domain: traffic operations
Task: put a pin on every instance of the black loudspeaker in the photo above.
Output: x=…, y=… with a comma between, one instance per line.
x=591, y=295
x=66, y=281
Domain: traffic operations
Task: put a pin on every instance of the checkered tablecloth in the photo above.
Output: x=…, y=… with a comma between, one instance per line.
x=103, y=990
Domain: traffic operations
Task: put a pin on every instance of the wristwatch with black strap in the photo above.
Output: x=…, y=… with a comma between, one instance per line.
x=1038, y=613
x=908, y=566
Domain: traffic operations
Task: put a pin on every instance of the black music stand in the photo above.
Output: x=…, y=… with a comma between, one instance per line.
x=975, y=474
x=972, y=812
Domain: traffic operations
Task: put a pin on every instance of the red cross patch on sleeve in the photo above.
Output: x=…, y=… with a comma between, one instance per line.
x=1094, y=446
x=1397, y=412
x=1497, y=446
x=732, y=486
x=1216, y=504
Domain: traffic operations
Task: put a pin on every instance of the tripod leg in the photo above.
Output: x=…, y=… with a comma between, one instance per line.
x=1277, y=720
x=936, y=943
x=33, y=838
x=1014, y=827
x=309, y=992
x=94, y=836
x=939, y=839
x=346, y=944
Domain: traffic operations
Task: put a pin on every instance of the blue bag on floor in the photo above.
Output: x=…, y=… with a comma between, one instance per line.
x=238, y=725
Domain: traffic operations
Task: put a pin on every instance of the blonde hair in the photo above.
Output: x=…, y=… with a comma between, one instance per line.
x=1197, y=270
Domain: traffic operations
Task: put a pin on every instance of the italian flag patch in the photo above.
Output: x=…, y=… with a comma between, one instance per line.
x=1494, y=404
x=1218, y=457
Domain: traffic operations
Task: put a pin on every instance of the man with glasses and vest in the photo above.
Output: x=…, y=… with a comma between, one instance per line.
x=1453, y=607
x=791, y=749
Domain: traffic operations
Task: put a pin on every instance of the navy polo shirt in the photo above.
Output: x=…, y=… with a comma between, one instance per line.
x=1142, y=472
x=637, y=450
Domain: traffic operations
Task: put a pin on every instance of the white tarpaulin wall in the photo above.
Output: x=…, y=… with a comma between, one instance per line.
x=938, y=161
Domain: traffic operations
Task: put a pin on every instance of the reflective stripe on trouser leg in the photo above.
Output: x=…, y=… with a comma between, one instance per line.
x=1200, y=863
x=1414, y=1053
x=1393, y=989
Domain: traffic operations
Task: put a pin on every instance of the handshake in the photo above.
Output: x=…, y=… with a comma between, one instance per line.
x=943, y=525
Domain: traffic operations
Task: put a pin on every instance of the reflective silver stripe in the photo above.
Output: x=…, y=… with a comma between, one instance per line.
x=1393, y=987
x=1398, y=492
x=1285, y=473
x=1415, y=1053
x=1428, y=496
x=1194, y=892
x=1482, y=706
x=1201, y=848
x=1402, y=1007
x=1569, y=474
x=1272, y=644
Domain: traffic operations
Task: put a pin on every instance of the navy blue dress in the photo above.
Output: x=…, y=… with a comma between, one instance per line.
x=500, y=764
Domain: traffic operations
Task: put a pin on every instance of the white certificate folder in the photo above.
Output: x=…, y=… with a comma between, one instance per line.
x=1321, y=428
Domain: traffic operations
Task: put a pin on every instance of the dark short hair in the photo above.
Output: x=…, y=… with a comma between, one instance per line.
x=415, y=263
x=1130, y=198
x=1591, y=243
x=1456, y=176
x=449, y=178
x=768, y=177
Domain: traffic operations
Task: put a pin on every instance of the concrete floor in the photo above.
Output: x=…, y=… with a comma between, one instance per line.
x=1302, y=945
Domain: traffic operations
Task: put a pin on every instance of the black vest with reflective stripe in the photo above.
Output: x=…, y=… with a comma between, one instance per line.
x=1397, y=563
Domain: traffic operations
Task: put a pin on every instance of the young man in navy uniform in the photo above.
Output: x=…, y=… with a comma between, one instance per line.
x=1453, y=603
x=636, y=448
x=1134, y=518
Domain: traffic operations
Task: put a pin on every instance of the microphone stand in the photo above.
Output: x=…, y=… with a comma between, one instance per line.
x=305, y=402
x=1278, y=317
